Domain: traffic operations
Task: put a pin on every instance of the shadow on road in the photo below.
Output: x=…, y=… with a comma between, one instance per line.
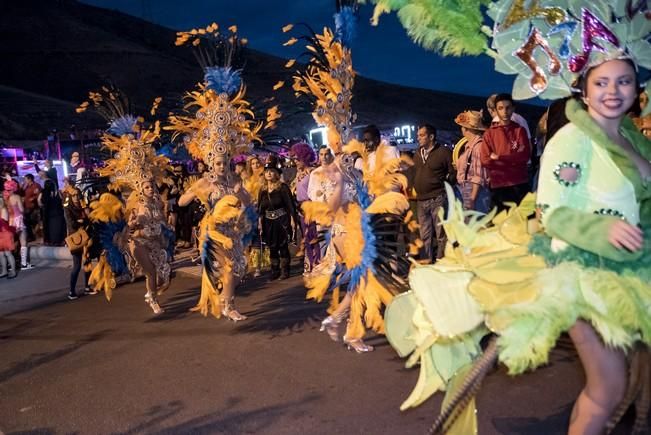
x=37, y=360
x=178, y=305
x=227, y=420
x=555, y=423
x=283, y=312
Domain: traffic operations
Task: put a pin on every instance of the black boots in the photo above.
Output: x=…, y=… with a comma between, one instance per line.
x=275, y=269
x=284, y=268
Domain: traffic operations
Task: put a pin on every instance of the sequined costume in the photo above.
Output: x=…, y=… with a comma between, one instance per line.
x=135, y=234
x=221, y=126
x=357, y=210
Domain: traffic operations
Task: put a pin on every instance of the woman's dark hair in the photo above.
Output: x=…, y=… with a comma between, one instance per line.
x=556, y=117
x=582, y=81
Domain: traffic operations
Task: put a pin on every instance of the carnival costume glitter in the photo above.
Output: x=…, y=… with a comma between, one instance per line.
x=137, y=230
x=362, y=209
x=221, y=126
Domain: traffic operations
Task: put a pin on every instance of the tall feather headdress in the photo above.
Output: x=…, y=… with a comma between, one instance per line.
x=218, y=122
x=327, y=82
x=131, y=144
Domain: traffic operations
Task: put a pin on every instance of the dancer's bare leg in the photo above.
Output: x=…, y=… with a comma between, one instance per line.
x=605, y=371
x=228, y=296
x=141, y=254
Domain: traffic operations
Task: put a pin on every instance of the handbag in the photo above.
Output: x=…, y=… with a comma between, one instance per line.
x=77, y=240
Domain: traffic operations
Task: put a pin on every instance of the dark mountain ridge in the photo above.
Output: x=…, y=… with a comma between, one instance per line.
x=55, y=51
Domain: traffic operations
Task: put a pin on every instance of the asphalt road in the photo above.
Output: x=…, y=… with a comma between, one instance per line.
x=98, y=367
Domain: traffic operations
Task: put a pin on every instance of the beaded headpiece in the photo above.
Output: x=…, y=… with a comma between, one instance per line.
x=222, y=123
x=134, y=161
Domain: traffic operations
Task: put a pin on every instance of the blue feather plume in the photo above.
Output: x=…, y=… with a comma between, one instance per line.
x=209, y=261
x=123, y=125
x=345, y=25
x=170, y=236
x=251, y=215
x=369, y=254
x=114, y=256
x=223, y=79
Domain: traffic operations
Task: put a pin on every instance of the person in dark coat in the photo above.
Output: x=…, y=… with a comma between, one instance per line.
x=54, y=224
x=277, y=218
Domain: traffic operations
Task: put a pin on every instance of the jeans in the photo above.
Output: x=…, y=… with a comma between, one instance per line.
x=432, y=233
x=74, y=273
x=482, y=201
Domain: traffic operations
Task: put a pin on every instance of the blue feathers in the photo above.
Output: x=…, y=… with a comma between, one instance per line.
x=369, y=254
x=345, y=25
x=251, y=215
x=223, y=79
x=170, y=236
x=123, y=125
x=114, y=255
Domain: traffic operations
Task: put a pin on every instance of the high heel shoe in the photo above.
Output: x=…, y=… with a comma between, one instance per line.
x=153, y=304
x=331, y=326
x=358, y=345
x=229, y=311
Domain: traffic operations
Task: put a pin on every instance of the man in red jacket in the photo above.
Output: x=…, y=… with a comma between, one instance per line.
x=505, y=152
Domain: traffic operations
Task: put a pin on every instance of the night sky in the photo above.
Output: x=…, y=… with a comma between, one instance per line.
x=383, y=52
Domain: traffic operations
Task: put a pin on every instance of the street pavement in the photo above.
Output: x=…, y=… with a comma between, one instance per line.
x=96, y=367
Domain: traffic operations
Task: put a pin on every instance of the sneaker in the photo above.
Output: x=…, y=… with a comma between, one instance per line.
x=26, y=266
x=90, y=291
x=72, y=297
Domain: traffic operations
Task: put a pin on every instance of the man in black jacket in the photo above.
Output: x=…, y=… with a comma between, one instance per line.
x=432, y=168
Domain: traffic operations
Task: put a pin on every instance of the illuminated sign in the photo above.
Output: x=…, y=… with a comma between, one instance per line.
x=28, y=167
x=405, y=132
x=319, y=136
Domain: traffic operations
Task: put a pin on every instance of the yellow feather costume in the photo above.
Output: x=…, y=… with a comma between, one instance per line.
x=218, y=123
x=133, y=164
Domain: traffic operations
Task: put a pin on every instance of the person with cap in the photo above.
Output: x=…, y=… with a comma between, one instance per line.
x=472, y=177
x=277, y=218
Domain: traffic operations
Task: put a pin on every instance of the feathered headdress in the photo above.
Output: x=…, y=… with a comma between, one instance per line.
x=134, y=160
x=346, y=21
x=219, y=122
x=327, y=82
x=546, y=44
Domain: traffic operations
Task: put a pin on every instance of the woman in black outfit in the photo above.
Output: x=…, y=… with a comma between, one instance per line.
x=76, y=218
x=278, y=218
x=54, y=225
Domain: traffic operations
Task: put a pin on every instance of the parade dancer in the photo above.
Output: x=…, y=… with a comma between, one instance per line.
x=138, y=229
x=222, y=127
x=357, y=213
x=588, y=271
